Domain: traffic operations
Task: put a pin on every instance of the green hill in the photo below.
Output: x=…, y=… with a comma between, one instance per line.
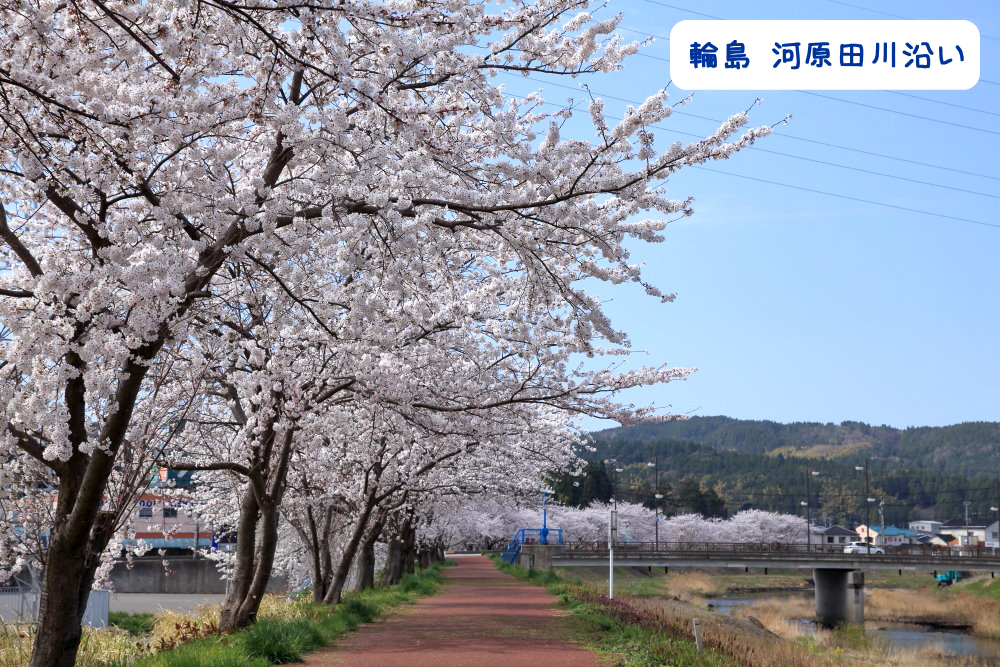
x=972, y=448
x=925, y=472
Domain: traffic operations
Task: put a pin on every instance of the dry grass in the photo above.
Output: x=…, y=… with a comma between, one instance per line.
x=944, y=607
x=112, y=645
x=691, y=586
x=778, y=615
x=97, y=647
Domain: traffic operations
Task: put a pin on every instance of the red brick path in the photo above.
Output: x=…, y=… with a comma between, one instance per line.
x=481, y=616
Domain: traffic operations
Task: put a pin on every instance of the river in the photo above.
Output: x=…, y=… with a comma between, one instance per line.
x=900, y=636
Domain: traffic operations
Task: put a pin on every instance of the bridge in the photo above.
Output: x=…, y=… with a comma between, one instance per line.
x=839, y=577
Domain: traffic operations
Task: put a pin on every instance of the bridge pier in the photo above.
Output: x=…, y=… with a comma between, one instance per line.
x=537, y=556
x=840, y=596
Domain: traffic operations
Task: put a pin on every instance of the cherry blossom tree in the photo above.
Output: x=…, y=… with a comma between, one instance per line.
x=146, y=148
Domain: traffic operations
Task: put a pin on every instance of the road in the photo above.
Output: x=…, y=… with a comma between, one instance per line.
x=480, y=616
x=153, y=602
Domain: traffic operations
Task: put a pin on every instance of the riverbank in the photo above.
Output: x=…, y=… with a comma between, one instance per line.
x=782, y=603
x=641, y=600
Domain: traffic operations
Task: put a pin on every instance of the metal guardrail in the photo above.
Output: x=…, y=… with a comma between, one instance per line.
x=531, y=536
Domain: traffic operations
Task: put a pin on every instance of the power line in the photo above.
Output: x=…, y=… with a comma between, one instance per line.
x=850, y=198
x=895, y=16
x=900, y=113
x=791, y=155
x=803, y=188
x=950, y=104
x=684, y=9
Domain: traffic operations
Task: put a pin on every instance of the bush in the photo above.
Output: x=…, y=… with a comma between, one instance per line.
x=358, y=610
x=281, y=642
x=137, y=624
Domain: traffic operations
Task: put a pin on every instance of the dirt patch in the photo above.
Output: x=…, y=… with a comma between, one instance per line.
x=480, y=616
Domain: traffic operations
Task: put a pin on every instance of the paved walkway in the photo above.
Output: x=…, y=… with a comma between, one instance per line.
x=480, y=616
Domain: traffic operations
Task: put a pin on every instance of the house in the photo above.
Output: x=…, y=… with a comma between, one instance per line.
x=887, y=535
x=837, y=536
x=977, y=533
x=926, y=526
x=941, y=540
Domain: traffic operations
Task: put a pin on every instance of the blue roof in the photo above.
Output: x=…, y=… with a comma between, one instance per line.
x=892, y=530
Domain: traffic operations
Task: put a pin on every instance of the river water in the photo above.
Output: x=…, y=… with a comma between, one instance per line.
x=900, y=636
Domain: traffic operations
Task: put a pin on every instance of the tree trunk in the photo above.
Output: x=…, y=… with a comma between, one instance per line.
x=238, y=613
x=409, y=551
x=393, y=571
x=365, y=567
x=67, y=582
x=366, y=557
x=336, y=589
x=63, y=602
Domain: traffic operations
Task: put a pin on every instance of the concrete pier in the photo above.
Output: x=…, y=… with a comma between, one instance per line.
x=840, y=596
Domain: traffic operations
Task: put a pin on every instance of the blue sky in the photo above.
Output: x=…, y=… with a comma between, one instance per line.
x=799, y=306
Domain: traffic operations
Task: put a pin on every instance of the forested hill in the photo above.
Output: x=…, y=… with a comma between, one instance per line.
x=971, y=449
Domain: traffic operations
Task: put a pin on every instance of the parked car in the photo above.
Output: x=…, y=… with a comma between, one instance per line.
x=862, y=548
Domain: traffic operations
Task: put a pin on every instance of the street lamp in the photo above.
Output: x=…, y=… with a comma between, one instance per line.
x=613, y=527
x=996, y=542
x=968, y=532
x=812, y=473
x=657, y=496
x=806, y=505
x=868, y=507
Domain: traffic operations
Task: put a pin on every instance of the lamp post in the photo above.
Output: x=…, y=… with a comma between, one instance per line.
x=545, y=517
x=811, y=473
x=655, y=465
x=868, y=507
x=612, y=530
x=613, y=526
x=968, y=533
x=997, y=510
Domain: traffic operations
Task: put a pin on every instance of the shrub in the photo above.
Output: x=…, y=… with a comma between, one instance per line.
x=137, y=624
x=280, y=642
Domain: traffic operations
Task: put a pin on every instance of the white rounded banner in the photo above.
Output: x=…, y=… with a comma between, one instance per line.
x=824, y=55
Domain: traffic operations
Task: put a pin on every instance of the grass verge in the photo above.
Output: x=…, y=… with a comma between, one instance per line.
x=285, y=632
x=618, y=629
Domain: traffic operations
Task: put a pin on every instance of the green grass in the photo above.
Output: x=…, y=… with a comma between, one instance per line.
x=617, y=630
x=302, y=628
x=984, y=587
x=137, y=624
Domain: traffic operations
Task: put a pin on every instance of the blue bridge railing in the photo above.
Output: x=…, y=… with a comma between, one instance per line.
x=531, y=536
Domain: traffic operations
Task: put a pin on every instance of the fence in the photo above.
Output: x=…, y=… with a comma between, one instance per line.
x=531, y=536
x=20, y=605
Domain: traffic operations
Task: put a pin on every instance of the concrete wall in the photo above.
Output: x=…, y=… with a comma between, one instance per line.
x=185, y=575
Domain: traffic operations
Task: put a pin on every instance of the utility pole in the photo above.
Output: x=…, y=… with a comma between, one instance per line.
x=968, y=533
